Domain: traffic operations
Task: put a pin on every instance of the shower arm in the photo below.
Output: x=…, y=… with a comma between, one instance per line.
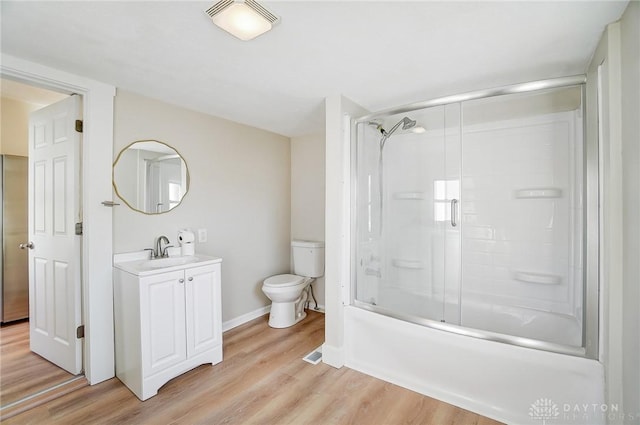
x=406, y=124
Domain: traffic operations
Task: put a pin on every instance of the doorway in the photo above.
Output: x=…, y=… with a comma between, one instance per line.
x=23, y=374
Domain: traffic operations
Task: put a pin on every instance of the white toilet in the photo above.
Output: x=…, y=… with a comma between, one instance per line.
x=289, y=292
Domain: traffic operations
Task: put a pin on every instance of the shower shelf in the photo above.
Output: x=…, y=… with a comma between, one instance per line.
x=408, y=264
x=409, y=196
x=539, y=193
x=544, y=279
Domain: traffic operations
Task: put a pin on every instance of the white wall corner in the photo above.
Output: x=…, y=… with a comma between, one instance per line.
x=630, y=81
x=332, y=355
x=604, y=89
x=337, y=248
x=613, y=213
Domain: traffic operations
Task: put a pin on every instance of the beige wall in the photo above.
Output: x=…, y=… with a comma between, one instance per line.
x=14, y=133
x=307, y=194
x=240, y=192
x=630, y=65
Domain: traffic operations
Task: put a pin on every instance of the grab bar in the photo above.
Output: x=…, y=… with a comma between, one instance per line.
x=454, y=205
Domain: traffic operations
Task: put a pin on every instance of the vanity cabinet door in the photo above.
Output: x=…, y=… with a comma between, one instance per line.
x=162, y=316
x=204, y=328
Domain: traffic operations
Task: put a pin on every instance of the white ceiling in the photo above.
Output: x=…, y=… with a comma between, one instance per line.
x=378, y=54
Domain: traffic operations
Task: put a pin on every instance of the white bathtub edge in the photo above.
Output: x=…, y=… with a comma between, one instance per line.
x=492, y=379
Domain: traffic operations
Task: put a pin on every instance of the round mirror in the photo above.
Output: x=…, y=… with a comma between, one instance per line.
x=150, y=177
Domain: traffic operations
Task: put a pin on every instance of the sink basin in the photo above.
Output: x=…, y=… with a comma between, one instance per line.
x=139, y=264
x=160, y=263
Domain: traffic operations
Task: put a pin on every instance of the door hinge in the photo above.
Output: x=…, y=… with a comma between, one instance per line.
x=79, y=126
x=80, y=332
x=79, y=228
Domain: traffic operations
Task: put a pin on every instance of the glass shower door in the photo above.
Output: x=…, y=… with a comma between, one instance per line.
x=523, y=215
x=477, y=214
x=407, y=181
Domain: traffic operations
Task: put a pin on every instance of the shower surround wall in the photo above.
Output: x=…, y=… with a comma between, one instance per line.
x=522, y=227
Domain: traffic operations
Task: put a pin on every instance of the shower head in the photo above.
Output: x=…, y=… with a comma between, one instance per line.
x=406, y=123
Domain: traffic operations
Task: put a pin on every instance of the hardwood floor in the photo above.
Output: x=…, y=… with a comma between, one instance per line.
x=22, y=372
x=262, y=380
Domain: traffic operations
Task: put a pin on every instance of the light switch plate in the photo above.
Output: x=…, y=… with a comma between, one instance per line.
x=202, y=235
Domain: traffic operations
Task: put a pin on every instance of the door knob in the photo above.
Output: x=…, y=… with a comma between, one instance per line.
x=27, y=245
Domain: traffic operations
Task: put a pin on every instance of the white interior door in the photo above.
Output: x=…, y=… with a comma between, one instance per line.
x=54, y=256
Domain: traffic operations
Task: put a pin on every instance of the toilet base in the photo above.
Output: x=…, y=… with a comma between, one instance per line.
x=278, y=322
x=285, y=314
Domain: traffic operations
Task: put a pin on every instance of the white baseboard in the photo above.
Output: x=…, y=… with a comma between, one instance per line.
x=333, y=356
x=241, y=320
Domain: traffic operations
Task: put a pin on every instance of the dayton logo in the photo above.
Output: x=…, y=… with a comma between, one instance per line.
x=544, y=409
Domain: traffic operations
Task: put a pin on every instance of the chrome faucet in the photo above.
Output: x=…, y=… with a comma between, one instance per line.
x=160, y=252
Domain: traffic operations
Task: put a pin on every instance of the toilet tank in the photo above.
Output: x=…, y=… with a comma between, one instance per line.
x=308, y=258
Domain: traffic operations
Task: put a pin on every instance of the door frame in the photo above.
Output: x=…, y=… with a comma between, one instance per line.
x=97, y=244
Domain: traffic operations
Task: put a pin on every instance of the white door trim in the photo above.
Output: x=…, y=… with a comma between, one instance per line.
x=97, y=248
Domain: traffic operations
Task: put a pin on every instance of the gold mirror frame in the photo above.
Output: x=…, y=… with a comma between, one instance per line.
x=127, y=202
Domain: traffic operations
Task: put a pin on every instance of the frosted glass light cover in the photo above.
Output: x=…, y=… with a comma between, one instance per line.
x=242, y=22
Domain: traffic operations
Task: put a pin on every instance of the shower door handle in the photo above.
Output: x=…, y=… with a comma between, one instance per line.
x=454, y=211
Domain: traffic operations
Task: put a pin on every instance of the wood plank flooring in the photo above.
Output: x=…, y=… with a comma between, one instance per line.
x=22, y=372
x=262, y=380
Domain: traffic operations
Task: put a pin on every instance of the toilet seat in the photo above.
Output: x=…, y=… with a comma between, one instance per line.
x=283, y=280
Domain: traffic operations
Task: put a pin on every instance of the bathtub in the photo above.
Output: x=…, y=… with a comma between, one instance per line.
x=504, y=382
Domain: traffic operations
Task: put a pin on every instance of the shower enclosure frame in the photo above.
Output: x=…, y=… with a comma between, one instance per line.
x=591, y=228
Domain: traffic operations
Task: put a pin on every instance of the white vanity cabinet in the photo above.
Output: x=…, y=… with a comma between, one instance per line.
x=167, y=321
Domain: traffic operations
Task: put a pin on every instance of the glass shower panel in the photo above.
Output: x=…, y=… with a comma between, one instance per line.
x=451, y=223
x=402, y=205
x=368, y=208
x=522, y=215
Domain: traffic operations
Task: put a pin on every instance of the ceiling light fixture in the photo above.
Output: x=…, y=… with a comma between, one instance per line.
x=244, y=19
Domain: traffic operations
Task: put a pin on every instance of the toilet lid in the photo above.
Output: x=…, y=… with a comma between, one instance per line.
x=283, y=280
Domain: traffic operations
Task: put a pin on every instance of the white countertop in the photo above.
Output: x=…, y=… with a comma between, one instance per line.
x=140, y=263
